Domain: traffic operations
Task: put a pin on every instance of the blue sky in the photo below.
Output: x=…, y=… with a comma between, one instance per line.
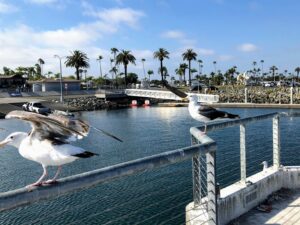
x=231, y=32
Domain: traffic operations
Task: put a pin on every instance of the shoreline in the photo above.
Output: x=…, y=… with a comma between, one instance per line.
x=9, y=104
x=235, y=105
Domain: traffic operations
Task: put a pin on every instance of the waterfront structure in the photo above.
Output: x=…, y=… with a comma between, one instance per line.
x=54, y=85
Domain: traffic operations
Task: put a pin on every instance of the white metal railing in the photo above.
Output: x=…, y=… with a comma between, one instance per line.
x=159, y=94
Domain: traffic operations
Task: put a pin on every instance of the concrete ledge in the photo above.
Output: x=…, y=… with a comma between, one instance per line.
x=239, y=198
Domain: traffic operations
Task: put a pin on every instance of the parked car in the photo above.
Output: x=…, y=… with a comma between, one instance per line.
x=36, y=107
x=268, y=84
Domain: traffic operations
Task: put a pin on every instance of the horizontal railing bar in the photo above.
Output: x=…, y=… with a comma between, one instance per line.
x=231, y=123
x=23, y=196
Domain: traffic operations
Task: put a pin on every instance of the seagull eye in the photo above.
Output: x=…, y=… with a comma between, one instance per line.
x=11, y=137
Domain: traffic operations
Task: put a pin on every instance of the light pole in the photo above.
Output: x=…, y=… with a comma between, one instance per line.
x=61, y=92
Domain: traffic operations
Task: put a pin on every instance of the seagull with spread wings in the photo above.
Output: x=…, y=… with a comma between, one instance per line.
x=48, y=143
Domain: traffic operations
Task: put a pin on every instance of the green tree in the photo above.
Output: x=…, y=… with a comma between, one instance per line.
x=150, y=72
x=161, y=54
x=114, y=51
x=184, y=66
x=179, y=72
x=100, y=57
x=125, y=57
x=41, y=62
x=189, y=55
x=297, y=70
x=132, y=78
x=273, y=69
x=78, y=60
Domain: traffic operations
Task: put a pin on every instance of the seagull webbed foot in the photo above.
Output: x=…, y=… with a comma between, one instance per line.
x=50, y=182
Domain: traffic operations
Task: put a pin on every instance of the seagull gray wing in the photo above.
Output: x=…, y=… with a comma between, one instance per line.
x=53, y=128
x=210, y=112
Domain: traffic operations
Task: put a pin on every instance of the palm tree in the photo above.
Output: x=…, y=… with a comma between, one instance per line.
x=78, y=60
x=99, y=59
x=164, y=72
x=215, y=66
x=273, y=69
x=41, y=62
x=125, y=57
x=143, y=61
x=150, y=72
x=262, y=68
x=189, y=55
x=38, y=71
x=114, y=51
x=200, y=64
x=161, y=54
x=184, y=66
x=179, y=72
x=297, y=70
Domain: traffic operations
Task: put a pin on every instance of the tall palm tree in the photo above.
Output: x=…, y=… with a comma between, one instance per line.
x=41, y=62
x=297, y=70
x=179, y=72
x=38, y=71
x=189, y=55
x=262, y=68
x=150, y=72
x=114, y=51
x=200, y=64
x=164, y=72
x=100, y=57
x=143, y=62
x=184, y=66
x=273, y=69
x=78, y=60
x=161, y=54
x=125, y=57
x=215, y=66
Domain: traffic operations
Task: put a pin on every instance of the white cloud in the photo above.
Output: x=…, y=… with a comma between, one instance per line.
x=7, y=8
x=173, y=34
x=42, y=2
x=225, y=58
x=247, y=47
x=114, y=16
x=204, y=51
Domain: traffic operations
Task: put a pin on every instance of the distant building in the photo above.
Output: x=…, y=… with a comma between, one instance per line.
x=12, y=81
x=54, y=85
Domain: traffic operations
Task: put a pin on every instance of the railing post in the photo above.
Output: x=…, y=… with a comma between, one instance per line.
x=246, y=95
x=291, y=95
x=196, y=177
x=243, y=153
x=211, y=188
x=276, y=142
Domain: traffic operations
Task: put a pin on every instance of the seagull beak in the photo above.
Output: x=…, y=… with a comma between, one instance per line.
x=3, y=143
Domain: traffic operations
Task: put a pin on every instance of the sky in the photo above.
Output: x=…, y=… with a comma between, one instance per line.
x=230, y=32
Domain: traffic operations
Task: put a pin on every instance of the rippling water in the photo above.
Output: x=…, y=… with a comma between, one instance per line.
x=154, y=197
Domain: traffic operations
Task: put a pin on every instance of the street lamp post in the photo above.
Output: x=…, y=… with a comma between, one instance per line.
x=61, y=91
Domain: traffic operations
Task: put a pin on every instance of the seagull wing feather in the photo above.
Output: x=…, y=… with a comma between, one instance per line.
x=54, y=128
x=210, y=112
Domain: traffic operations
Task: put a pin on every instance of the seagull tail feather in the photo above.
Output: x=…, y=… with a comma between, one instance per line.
x=85, y=154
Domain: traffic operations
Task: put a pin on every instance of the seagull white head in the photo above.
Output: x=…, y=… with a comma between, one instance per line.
x=193, y=98
x=14, y=139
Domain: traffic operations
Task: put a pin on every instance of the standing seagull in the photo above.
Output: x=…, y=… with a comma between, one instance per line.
x=204, y=113
x=48, y=141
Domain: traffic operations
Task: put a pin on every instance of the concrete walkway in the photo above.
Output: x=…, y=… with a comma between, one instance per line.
x=285, y=210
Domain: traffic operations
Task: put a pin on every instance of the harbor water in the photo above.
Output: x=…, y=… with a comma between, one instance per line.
x=157, y=196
